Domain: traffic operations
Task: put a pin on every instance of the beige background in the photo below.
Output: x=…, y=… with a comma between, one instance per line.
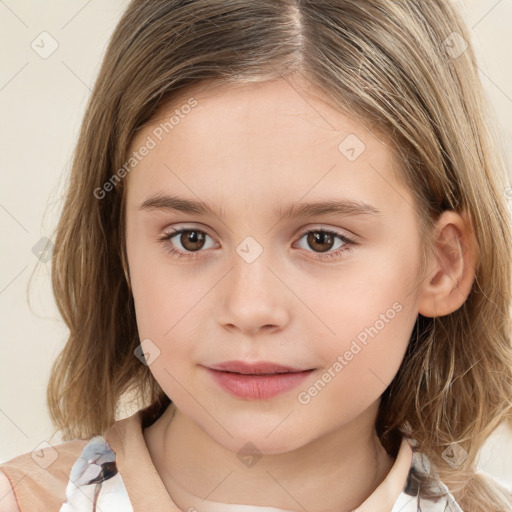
x=42, y=102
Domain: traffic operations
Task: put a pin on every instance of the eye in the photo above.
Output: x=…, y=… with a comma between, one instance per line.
x=190, y=239
x=324, y=240
x=193, y=240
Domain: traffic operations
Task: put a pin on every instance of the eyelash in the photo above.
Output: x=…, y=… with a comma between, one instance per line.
x=165, y=240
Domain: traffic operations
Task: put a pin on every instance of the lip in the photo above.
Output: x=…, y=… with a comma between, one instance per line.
x=266, y=381
x=259, y=367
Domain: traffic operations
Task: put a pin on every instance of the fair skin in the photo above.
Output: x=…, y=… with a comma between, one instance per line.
x=250, y=149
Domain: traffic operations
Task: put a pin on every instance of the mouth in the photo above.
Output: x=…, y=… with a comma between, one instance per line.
x=257, y=368
x=257, y=383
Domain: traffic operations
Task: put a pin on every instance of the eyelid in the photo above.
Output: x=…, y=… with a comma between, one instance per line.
x=173, y=231
x=300, y=233
x=331, y=229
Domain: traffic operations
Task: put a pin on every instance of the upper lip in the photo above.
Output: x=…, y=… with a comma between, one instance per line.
x=260, y=367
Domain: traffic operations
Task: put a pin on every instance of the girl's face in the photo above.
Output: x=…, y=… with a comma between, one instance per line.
x=253, y=279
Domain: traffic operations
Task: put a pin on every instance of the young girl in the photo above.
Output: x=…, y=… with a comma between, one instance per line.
x=225, y=143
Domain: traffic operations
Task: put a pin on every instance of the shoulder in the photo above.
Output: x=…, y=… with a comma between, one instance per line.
x=37, y=480
x=8, y=501
x=74, y=472
x=504, y=487
x=423, y=484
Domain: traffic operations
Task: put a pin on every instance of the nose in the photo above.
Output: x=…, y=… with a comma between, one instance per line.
x=253, y=298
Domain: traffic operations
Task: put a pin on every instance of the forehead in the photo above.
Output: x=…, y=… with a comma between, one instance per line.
x=271, y=136
x=272, y=98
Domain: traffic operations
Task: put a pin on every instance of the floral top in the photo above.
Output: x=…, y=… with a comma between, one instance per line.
x=96, y=484
x=114, y=472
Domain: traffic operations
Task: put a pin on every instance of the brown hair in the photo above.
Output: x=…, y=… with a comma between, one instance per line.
x=393, y=65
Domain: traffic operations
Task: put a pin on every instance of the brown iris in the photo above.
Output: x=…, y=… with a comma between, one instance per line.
x=192, y=240
x=321, y=238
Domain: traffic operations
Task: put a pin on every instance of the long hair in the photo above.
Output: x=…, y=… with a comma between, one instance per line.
x=404, y=68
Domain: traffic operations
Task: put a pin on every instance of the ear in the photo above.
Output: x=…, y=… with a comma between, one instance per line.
x=451, y=270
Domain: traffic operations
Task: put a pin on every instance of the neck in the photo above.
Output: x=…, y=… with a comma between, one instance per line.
x=342, y=467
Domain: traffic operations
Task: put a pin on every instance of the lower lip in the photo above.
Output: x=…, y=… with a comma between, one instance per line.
x=258, y=387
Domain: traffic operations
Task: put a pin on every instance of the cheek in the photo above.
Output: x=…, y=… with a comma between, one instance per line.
x=368, y=316
x=169, y=313
x=160, y=294
x=362, y=359
x=166, y=311
x=357, y=296
x=165, y=323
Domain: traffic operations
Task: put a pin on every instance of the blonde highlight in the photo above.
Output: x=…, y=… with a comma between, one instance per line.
x=384, y=63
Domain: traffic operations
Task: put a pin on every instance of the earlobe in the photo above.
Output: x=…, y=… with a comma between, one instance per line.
x=452, y=268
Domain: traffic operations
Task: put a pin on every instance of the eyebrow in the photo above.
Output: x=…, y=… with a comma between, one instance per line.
x=294, y=210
